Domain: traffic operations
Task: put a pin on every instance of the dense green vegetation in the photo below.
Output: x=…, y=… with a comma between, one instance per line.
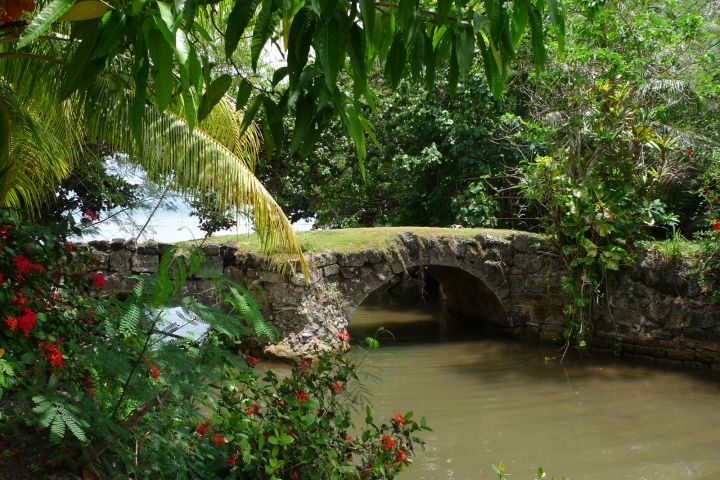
x=594, y=122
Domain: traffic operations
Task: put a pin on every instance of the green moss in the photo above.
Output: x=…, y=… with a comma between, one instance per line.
x=355, y=239
x=673, y=248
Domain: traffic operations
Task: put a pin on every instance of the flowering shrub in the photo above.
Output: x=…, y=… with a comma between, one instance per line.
x=709, y=269
x=118, y=395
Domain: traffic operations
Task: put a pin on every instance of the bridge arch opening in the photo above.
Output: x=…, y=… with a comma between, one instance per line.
x=456, y=301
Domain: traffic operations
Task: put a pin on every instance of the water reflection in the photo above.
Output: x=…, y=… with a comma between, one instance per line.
x=491, y=399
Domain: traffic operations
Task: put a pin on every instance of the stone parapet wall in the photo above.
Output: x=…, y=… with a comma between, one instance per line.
x=653, y=310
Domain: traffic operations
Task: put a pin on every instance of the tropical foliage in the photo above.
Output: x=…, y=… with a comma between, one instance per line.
x=105, y=387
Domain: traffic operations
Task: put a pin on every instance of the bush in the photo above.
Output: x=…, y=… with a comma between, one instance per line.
x=100, y=386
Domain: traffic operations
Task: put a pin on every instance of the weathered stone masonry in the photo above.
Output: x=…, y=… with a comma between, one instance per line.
x=653, y=310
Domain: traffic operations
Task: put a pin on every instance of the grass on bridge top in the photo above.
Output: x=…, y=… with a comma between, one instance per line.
x=354, y=239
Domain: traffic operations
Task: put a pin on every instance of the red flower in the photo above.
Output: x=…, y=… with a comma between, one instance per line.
x=388, y=442
x=201, y=429
x=87, y=381
x=252, y=409
x=232, y=460
x=400, y=419
x=689, y=151
x=219, y=440
x=18, y=299
x=98, y=280
x=401, y=457
x=11, y=322
x=154, y=371
x=3, y=231
x=88, y=216
x=295, y=474
x=302, y=396
x=337, y=386
x=53, y=354
x=56, y=296
x=26, y=321
x=344, y=336
x=24, y=266
x=251, y=360
x=716, y=225
x=69, y=247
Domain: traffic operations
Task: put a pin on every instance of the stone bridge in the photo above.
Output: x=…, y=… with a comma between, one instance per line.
x=508, y=281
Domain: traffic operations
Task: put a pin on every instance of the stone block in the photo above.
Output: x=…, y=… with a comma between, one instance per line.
x=211, y=250
x=117, y=244
x=119, y=261
x=140, y=263
x=348, y=272
x=148, y=248
x=324, y=259
x=331, y=270
x=271, y=277
x=102, y=245
x=357, y=259
x=99, y=259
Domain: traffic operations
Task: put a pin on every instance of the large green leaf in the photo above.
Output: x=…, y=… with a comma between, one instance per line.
x=214, y=93
x=83, y=68
x=465, y=48
x=557, y=17
x=162, y=56
x=43, y=20
x=367, y=10
x=357, y=61
x=304, y=114
x=250, y=113
x=537, y=38
x=300, y=38
x=243, y=94
x=330, y=44
x=519, y=20
x=264, y=25
x=240, y=16
x=395, y=62
x=85, y=10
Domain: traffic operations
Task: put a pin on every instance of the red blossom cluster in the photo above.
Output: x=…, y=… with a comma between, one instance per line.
x=337, y=386
x=344, y=336
x=4, y=231
x=253, y=409
x=302, y=396
x=89, y=216
x=53, y=354
x=399, y=419
x=25, y=321
x=154, y=371
x=388, y=442
x=98, y=280
x=219, y=440
x=24, y=266
x=87, y=381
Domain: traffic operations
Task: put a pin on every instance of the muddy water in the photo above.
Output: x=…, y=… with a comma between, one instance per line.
x=493, y=399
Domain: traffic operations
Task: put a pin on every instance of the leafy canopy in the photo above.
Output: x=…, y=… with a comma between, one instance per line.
x=173, y=59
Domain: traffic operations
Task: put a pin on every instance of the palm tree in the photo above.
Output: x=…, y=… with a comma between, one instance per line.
x=43, y=135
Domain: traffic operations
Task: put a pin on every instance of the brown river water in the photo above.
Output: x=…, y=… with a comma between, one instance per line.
x=492, y=400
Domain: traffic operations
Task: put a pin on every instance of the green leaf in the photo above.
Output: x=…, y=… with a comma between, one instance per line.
x=367, y=10
x=453, y=68
x=243, y=94
x=330, y=43
x=357, y=61
x=264, y=25
x=111, y=29
x=557, y=17
x=82, y=69
x=162, y=56
x=465, y=48
x=300, y=38
x=85, y=10
x=443, y=9
x=214, y=93
x=304, y=114
x=519, y=21
x=395, y=62
x=250, y=113
x=537, y=38
x=43, y=20
x=278, y=75
x=182, y=46
x=238, y=20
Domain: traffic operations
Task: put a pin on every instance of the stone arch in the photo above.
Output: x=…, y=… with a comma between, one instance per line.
x=474, y=287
